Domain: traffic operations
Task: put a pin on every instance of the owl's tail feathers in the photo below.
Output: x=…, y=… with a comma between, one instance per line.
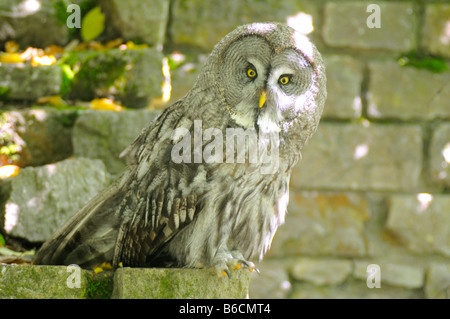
x=87, y=238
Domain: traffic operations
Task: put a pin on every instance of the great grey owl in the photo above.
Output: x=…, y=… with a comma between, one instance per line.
x=191, y=196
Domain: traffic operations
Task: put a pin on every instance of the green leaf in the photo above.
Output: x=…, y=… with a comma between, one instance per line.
x=93, y=24
x=2, y=241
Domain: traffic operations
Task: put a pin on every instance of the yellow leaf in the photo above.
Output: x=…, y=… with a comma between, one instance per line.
x=105, y=104
x=9, y=171
x=11, y=46
x=98, y=270
x=10, y=58
x=93, y=24
x=54, y=50
x=94, y=45
x=43, y=60
x=55, y=100
x=113, y=43
x=106, y=266
x=130, y=45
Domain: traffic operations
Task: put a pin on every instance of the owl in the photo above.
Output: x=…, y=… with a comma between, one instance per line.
x=207, y=182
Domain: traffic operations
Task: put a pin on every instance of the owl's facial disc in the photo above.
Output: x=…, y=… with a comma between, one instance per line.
x=242, y=74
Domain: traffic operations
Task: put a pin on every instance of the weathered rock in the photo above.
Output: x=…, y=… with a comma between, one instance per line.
x=353, y=289
x=346, y=26
x=418, y=94
x=104, y=135
x=20, y=81
x=203, y=24
x=136, y=19
x=322, y=224
x=361, y=157
x=132, y=77
x=273, y=282
x=344, y=77
x=321, y=271
x=438, y=281
x=42, y=282
x=169, y=283
x=37, y=136
x=43, y=198
x=439, y=163
x=436, y=37
x=393, y=274
x=420, y=222
x=25, y=21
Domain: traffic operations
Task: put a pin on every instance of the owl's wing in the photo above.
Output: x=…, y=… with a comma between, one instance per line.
x=132, y=219
x=162, y=202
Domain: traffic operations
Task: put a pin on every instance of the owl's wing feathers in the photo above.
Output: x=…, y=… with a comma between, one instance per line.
x=131, y=220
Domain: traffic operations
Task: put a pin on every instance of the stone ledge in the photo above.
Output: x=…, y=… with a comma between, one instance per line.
x=40, y=282
x=62, y=282
x=169, y=283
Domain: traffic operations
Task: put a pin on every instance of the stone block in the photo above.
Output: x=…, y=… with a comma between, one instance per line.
x=436, y=33
x=407, y=93
x=344, y=77
x=42, y=198
x=41, y=282
x=345, y=26
x=169, y=283
x=393, y=274
x=33, y=23
x=438, y=281
x=322, y=223
x=439, y=152
x=321, y=271
x=36, y=136
x=353, y=289
x=273, y=281
x=104, y=135
x=19, y=81
x=136, y=19
x=363, y=156
x=420, y=222
x=202, y=24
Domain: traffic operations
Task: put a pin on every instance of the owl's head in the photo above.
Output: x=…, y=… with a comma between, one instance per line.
x=270, y=77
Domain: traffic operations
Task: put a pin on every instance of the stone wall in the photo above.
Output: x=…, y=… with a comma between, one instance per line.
x=373, y=186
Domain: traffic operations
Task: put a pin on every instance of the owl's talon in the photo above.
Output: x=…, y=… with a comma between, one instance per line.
x=226, y=272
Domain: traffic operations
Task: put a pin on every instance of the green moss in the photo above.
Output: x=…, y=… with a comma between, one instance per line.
x=4, y=92
x=97, y=71
x=421, y=61
x=99, y=286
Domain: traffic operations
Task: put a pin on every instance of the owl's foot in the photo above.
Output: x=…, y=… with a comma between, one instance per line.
x=233, y=260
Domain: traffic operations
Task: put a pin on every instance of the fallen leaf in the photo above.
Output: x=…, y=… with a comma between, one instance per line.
x=55, y=100
x=98, y=270
x=105, y=104
x=7, y=171
x=43, y=60
x=11, y=46
x=11, y=58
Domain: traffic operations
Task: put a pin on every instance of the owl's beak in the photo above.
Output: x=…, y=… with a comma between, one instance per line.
x=262, y=98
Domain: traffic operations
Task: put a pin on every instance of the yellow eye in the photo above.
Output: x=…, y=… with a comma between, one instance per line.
x=284, y=80
x=251, y=73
